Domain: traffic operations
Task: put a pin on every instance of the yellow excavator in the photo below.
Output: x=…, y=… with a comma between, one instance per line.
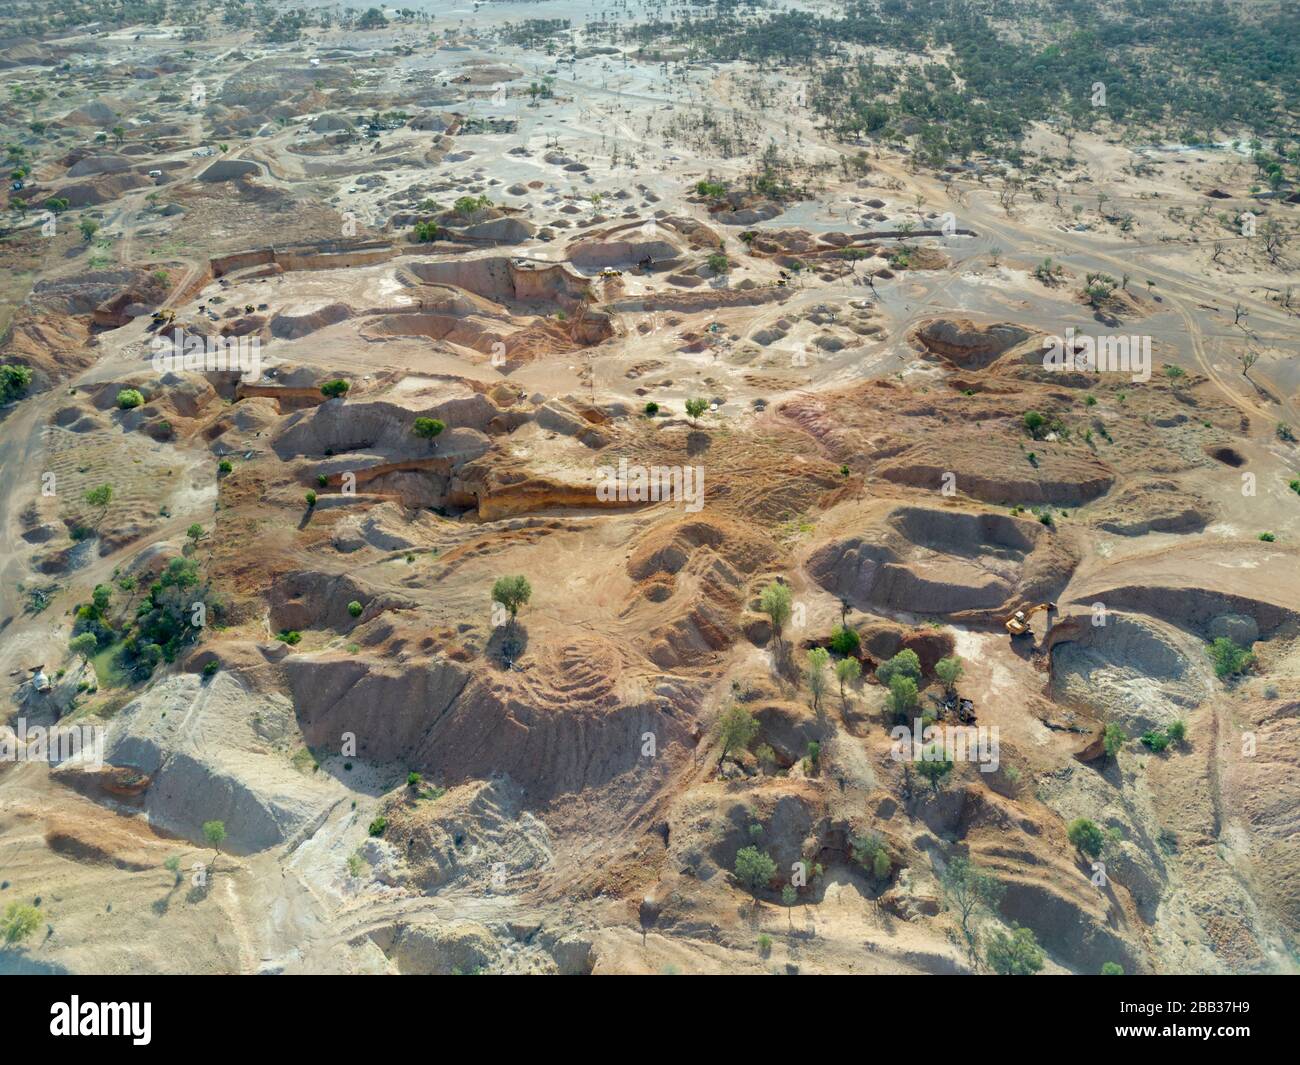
x=1018, y=623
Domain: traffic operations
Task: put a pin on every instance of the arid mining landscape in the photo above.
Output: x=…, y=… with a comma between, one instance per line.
x=610, y=487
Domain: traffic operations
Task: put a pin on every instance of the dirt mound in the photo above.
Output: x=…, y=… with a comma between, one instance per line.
x=602, y=254
x=469, y=832
x=1132, y=670
x=967, y=345
x=503, y=280
x=99, y=164
x=379, y=426
x=310, y=600
x=694, y=578
x=230, y=170
x=291, y=325
x=999, y=471
x=1264, y=791
x=963, y=565
x=223, y=753
x=572, y=720
x=1151, y=505
x=1194, y=584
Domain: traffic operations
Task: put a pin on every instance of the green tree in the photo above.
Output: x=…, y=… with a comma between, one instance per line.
x=1177, y=731
x=89, y=227
x=695, y=407
x=968, y=888
x=14, y=381
x=215, y=833
x=129, y=398
x=789, y=896
x=1111, y=968
x=903, y=697
x=101, y=497
x=512, y=593
x=775, y=603
x=1229, y=659
x=845, y=641
x=334, y=389
x=718, y=263
x=195, y=533
x=737, y=729
x=818, y=658
x=949, y=671
x=871, y=853
x=1112, y=739
x=847, y=671
x=427, y=428
x=934, y=767
x=1086, y=836
x=754, y=869
x=19, y=922
x=84, y=644
x=905, y=664
x=1014, y=954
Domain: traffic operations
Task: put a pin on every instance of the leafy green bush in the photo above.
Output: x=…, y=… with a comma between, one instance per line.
x=355, y=608
x=129, y=398
x=378, y=825
x=1229, y=659
x=905, y=663
x=1154, y=740
x=1085, y=835
x=1014, y=954
x=754, y=869
x=334, y=389
x=845, y=641
x=14, y=381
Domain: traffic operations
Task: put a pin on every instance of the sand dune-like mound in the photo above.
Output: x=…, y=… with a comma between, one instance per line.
x=967, y=345
x=1191, y=586
x=218, y=750
x=1131, y=670
x=380, y=425
x=961, y=564
x=294, y=322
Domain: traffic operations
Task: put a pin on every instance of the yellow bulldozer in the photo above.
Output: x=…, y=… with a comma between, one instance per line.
x=1018, y=623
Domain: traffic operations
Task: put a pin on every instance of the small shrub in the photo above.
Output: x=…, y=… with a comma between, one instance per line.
x=289, y=636
x=1154, y=740
x=334, y=389
x=1229, y=659
x=1267, y=537
x=651, y=409
x=129, y=399
x=224, y=466
x=355, y=608
x=1085, y=835
x=378, y=825
x=845, y=641
x=211, y=668
x=311, y=499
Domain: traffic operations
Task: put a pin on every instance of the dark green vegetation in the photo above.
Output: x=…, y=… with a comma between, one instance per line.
x=1182, y=69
